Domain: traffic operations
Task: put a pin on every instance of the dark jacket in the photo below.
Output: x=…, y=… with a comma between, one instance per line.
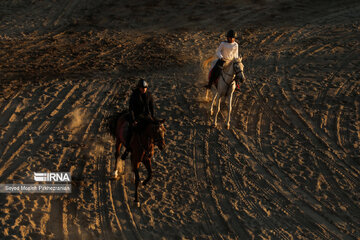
x=141, y=105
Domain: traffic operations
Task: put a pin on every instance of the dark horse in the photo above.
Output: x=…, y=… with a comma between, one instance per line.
x=147, y=134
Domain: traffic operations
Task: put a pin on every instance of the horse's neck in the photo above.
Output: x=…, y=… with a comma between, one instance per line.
x=228, y=71
x=147, y=137
x=228, y=67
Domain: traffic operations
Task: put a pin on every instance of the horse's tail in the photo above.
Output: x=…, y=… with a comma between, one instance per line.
x=207, y=62
x=112, y=120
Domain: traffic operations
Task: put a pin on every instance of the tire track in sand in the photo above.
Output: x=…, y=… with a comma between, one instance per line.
x=41, y=128
x=114, y=191
x=338, y=165
x=215, y=223
x=120, y=202
x=314, y=152
x=205, y=189
x=68, y=228
x=289, y=194
x=286, y=191
x=276, y=118
x=219, y=216
x=104, y=191
x=256, y=209
x=23, y=114
x=218, y=156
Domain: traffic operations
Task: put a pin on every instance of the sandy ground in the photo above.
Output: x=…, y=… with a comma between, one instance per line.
x=288, y=168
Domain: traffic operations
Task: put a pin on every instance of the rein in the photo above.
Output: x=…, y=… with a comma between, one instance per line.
x=149, y=140
x=233, y=78
x=142, y=147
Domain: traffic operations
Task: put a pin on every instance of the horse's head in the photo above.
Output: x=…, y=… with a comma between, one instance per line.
x=239, y=69
x=159, y=134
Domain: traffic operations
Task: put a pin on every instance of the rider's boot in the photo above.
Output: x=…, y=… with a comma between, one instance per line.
x=215, y=73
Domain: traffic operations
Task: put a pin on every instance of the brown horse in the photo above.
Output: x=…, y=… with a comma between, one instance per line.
x=146, y=135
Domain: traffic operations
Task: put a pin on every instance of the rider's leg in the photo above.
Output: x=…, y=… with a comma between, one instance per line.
x=215, y=72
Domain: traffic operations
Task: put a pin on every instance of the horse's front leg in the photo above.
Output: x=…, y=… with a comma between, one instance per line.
x=137, y=181
x=117, y=154
x=117, y=148
x=218, y=110
x=212, y=104
x=230, y=108
x=147, y=164
x=207, y=94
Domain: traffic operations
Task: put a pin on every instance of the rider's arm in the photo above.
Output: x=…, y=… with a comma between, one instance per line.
x=236, y=51
x=131, y=109
x=218, y=51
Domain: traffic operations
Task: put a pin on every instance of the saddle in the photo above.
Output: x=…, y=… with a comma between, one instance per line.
x=124, y=125
x=215, y=70
x=210, y=75
x=143, y=122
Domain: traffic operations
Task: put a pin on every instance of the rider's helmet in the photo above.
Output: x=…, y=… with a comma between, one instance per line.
x=142, y=84
x=231, y=34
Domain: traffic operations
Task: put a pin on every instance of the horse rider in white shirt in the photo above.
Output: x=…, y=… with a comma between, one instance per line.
x=227, y=51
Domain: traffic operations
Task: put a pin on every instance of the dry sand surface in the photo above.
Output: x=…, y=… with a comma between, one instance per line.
x=288, y=168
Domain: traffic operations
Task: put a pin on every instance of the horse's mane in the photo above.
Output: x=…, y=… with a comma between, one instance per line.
x=227, y=65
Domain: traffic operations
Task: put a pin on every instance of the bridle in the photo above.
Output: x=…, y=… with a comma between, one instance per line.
x=233, y=78
x=158, y=139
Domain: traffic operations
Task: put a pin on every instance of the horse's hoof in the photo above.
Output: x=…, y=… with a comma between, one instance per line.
x=227, y=127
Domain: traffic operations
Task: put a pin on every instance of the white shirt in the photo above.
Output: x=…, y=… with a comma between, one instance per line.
x=227, y=50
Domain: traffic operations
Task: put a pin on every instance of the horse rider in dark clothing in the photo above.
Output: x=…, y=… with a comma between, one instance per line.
x=141, y=106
